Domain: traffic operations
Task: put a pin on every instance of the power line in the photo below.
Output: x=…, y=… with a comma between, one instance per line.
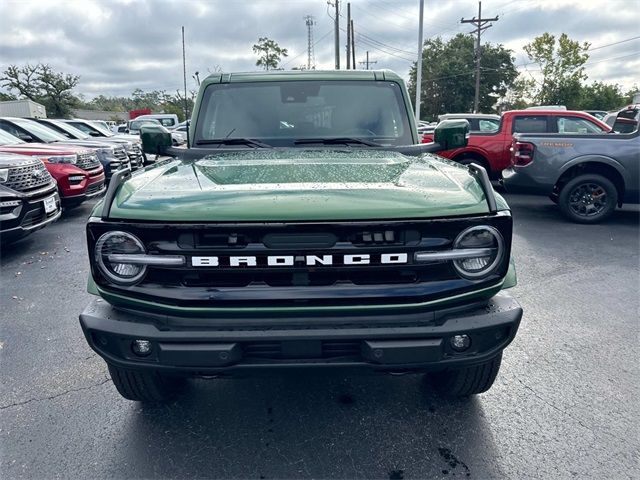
x=386, y=52
x=612, y=44
x=367, y=61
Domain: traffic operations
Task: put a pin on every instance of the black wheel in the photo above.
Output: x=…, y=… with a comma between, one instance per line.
x=588, y=198
x=466, y=381
x=143, y=386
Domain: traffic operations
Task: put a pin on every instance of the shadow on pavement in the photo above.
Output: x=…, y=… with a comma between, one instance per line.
x=309, y=425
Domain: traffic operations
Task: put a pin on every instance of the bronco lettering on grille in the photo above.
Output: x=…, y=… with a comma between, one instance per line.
x=299, y=260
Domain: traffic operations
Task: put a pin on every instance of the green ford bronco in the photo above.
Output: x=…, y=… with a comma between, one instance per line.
x=304, y=226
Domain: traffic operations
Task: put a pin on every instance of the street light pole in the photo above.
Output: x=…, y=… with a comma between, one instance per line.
x=419, y=63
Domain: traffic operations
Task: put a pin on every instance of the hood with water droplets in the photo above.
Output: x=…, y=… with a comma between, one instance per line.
x=300, y=185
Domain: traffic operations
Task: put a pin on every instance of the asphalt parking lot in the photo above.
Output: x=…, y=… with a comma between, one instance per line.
x=564, y=405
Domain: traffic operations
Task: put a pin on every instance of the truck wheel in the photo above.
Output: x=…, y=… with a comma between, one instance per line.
x=143, y=386
x=466, y=381
x=588, y=198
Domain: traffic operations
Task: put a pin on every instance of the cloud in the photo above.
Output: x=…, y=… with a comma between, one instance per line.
x=118, y=46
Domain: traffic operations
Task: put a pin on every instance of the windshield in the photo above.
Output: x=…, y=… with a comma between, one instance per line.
x=105, y=131
x=70, y=129
x=43, y=133
x=136, y=124
x=8, y=139
x=279, y=113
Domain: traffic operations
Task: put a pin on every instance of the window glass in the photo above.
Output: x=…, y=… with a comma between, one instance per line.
x=485, y=125
x=7, y=139
x=167, y=122
x=576, y=125
x=40, y=131
x=530, y=124
x=279, y=113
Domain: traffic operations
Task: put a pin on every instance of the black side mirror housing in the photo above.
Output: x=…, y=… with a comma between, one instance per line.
x=155, y=139
x=94, y=134
x=450, y=134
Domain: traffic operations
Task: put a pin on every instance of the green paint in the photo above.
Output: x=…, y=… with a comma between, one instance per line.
x=300, y=185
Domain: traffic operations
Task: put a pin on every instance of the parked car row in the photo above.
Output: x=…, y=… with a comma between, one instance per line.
x=48, y=164
x=490, y=136
x=585, y=165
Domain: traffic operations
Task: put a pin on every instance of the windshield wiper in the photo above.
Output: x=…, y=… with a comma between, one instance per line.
x=337, y=141
x=234, y=141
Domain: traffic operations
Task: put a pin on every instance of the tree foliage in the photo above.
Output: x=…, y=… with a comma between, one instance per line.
x=269, y=53
x=448, y=76
x=44, y=85
x=562, y=69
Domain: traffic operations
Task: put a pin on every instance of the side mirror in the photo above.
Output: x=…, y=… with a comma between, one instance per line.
x=25, y=137
x=155, y=139
x=126, y=130
x=94, y=134
x=450, y=134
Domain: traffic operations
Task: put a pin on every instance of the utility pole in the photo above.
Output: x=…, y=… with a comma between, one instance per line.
x=311, y=61
x=367, y=61
x=481, y=25
x=348, y=36
x=336, y=33
x=353, y=46
x=419, y=65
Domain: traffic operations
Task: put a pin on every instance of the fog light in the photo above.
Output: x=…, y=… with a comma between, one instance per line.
x=142, y=348
x=460, y=342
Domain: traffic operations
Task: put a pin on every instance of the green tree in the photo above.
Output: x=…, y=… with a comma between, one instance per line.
x=561, y=62
x=42, y=84
x=602, y=96
x=448, y=81
x=6, y=96
x=269, y=53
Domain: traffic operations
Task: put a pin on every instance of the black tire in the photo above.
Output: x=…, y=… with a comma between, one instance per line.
x=466, y=381
x=588, y=198
x=143, y=386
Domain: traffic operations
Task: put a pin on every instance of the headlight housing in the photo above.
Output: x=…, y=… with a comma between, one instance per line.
x=72, y=159
x=4, y=175
x=114, y=243
x=479, y=237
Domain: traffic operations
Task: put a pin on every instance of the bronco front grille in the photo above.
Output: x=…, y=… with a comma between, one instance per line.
x=253, y=281
x=28, y=177
x=88, y=161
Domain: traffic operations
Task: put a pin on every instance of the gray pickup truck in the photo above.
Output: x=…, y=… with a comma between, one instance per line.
x=586, y=175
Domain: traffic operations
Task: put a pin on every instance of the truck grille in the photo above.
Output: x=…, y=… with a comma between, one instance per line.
x=120, y=153
x=94, y=187
x=88, y=161
x=299, y=284
x=28, y=177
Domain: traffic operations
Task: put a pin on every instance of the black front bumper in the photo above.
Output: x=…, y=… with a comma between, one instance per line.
x=400, y=342
x=28, y=215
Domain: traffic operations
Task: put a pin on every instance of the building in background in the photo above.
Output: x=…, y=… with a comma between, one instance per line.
x=22, y=108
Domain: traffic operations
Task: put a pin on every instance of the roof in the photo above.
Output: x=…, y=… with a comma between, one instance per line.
x=272, y=75
x=470, y=115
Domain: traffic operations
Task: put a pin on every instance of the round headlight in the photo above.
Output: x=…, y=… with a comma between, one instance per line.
x=117, y=242
x=479, y=237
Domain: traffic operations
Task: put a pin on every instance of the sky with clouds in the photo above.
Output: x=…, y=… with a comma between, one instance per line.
x=117, y=46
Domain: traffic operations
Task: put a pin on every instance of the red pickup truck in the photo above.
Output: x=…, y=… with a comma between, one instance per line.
x=492, y=149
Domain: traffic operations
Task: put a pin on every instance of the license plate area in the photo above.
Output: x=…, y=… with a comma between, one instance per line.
x=50, y=204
